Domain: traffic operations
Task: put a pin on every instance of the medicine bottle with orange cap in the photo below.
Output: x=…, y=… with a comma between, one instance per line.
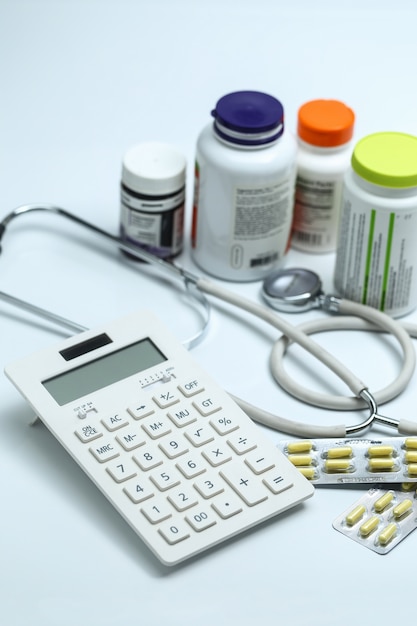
x=324, y=130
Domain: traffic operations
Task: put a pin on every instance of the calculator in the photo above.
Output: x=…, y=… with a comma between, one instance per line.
x=169, y=448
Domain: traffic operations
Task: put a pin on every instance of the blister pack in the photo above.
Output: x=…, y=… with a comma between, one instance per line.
x=342, y=461
x=380, y=519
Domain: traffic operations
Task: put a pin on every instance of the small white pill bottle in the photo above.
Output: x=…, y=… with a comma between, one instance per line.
x=153, y=198
x=376, y=260
x=243, y=188
x=324, y=132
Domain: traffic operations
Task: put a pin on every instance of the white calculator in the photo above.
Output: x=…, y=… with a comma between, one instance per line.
x=174, y=454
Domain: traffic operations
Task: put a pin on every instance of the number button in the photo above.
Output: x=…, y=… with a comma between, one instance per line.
x=138, y=491
x=183, y=499
x=173, y=447
x=156, y=511
x=165, y=480
x=191, y=466
x=174, y=533
x=201, y=520
x=209, y=486
x=121, y=471
x=147, y=459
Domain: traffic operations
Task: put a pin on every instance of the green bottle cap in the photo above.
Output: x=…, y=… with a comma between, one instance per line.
x=388, y=159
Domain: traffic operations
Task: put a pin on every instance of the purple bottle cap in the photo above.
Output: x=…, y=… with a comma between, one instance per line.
x=250, y=118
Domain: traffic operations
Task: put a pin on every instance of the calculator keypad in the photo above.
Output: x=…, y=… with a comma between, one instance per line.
x=174, y=455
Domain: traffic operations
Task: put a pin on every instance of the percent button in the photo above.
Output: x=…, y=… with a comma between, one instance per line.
x=223, y=424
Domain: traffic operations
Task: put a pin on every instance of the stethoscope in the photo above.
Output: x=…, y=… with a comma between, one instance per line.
x=286, y=290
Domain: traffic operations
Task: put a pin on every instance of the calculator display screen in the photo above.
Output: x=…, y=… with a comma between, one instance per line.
x=103, y=371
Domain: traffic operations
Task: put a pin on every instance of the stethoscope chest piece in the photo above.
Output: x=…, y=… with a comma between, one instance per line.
x=293, y=290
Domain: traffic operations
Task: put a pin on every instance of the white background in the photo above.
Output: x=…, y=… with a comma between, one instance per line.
x=81, y=81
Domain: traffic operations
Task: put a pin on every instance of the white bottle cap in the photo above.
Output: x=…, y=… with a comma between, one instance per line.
x=153, y=168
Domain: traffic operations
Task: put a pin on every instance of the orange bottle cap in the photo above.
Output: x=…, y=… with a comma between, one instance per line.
x=325, y=123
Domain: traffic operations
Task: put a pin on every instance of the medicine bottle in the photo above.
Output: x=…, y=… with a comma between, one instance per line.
x=376, y=260
x=244, y=188
x=153, y=198
x=324, y=133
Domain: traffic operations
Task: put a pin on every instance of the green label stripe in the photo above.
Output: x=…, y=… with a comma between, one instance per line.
x=387, y=260
x=368, y=256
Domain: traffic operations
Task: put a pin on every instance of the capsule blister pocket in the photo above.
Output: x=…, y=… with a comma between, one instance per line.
x=344, y=461
x=380, y=519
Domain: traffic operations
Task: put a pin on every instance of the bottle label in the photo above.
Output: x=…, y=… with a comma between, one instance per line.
x=316, y=214
x=261, y=225
x=156, y=225
x=377, y=256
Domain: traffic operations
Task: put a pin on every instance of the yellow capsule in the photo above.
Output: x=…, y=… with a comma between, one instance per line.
x=300, y=459
x=408, y=486
x=337, y=465
x=369, y=526
x=387, y=534
x=402, y=508
x=375, y=451
x=383, y=501
x=410, y=443
x=338, y=453
x=411, y=456
x=299, y=446
x=308, y=472
x=412, y=469
x=381, y=464
x=355, y=515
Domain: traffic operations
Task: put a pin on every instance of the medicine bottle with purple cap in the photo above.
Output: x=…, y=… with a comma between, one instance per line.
x=244, y=184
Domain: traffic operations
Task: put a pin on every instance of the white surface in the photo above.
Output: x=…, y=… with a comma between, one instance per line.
x=82, y=81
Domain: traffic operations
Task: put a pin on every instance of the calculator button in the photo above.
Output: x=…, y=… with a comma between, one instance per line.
x=165, y=480
x=121, y=470
x=224, y=424
x=182, y=498
x=276, y=482
x=245, y=485
x=130, y=439
x=217, y=454
x=104, y=453
x=241, y=444
x=156, y=427
x=114, y=421
x=191, y=466
x=174, y=533
x=167, y=398
x=206, y=405
x=147, y=459
x=156, y=511
x=200, y=435
x=191, y=388
x=201, y=519
x=138, y=490
x=182, y=416
x=88, y=433
x=140, y=410
x=209, y=486
x=173, y=447
x=227, y=506
x=259, y=462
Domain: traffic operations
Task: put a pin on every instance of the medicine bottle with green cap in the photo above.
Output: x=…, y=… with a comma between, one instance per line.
x=324, y=133
x=243, y=188
x=376, y=260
